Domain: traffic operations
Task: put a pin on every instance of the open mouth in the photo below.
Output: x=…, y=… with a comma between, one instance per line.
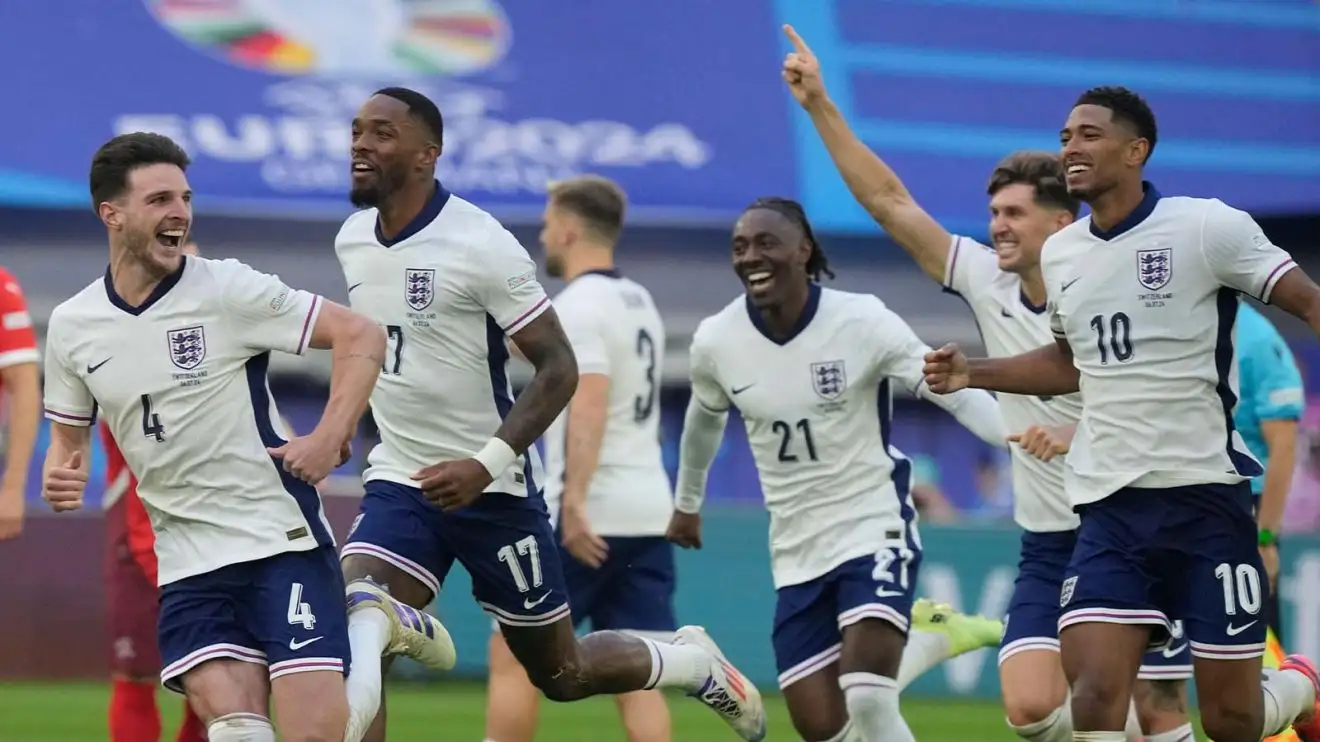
x=171, y=238
x=758, y=281
x=1078, y=169
x=362, y=169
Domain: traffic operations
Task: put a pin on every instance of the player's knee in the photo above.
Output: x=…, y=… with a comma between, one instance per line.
x=1160, y=703
x=240, y=728
x=1026, y=711
x=1094, y=696
x=567, y=683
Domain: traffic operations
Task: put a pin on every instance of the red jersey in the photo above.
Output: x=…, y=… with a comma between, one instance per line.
x=128, y=526
x=18, y=341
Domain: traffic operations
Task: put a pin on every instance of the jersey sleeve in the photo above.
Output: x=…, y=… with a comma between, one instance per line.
x=583, y=327
x=1239, y=254
x=18, y=341
x=508, y=287
x=67, y=399
x=971, y=267
x=270, y=314
x=1271, y=382
x=706, y=388
x=899, y=353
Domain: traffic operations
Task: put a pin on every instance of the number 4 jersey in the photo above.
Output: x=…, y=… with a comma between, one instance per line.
x=448, y=289
x=181, y=382
x=818, y=411
x=1149, y=310
x=616, y=331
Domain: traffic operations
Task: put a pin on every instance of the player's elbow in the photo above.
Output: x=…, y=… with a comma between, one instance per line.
x=361, y=335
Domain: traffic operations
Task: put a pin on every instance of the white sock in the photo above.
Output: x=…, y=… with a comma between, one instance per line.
x=873, y=707
x=241, y=728
x=1183, y=733
x=1133, y=728
x=1057, y=727
x=1099, y=736
x=683, y=666
x=1288, y=695
x=924, y=650
x=368, y=635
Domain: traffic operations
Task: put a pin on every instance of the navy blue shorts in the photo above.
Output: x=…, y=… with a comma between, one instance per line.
x=1145, y=556
x=504, y=542
x=633, y=590
x=286, y=611
x=810, y=616
x=1032, y=621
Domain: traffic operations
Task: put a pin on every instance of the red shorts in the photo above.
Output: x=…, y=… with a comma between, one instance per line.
x=133, y=602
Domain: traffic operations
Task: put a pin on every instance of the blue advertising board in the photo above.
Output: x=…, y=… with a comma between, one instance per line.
x=680, y=101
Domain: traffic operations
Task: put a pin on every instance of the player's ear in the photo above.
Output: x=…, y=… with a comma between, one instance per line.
x=1136, y=152
x=429, y=155
x=110, y=215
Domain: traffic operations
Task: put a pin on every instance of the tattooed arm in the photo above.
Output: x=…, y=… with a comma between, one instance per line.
x=543, y=343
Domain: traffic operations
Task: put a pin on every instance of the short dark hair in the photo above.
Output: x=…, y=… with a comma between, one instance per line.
x=1040, y=170
x=117, y=158
x=817, y=264
x=1127, y=107
x=421, y=108
x=597, y=200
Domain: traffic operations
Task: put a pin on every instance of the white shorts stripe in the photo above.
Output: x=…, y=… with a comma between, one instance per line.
x=422, y=574
x=873, y=610
x=512, y=619
x=1028, y=644
x=809, y=666
x=191, y=660
x=307, y=664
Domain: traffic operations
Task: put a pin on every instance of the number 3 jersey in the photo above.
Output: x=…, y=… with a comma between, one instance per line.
x=818, y=413
x=448, y=289
x=616, y=331
x=1148, y=309
x=181, y=382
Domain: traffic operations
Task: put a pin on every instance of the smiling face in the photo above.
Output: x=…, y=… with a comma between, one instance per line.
x=151, y=219
x=1099, y=152
x=770, y=256
x=1020, y=224
x=389, y=145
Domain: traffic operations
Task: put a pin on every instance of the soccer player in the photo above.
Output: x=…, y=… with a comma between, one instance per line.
x=810, y=370
x=131, y=597
x=605, y=476
x=1004, y=289
x=172, y=352
x=456, y=476
x=1143, y=301
x=20, y=402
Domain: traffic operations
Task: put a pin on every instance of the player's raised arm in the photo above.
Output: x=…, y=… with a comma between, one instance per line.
x=1047, y=371
x=703, y=429
x=872, y=182
x=902, y=357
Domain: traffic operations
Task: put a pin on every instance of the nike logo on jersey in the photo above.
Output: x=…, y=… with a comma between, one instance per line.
x=880, y=592
x=1235, y=630
x=295, y=645
x=1065, y=286
x=350, y=288
x=529, y=604
x=92, y=369
x=1005, y=312
x=1171, y=652
x=741, y=389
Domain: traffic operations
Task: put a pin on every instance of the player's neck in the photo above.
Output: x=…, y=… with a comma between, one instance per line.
x=1114, y=205
x=403, y=206
x=133, y=280
x=586, y=259
x=781, y=319
x=1033, y=286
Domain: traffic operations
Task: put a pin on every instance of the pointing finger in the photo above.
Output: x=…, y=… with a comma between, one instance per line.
x=798, y=44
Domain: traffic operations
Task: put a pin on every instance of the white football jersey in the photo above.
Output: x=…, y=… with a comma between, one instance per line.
x=818, y=412
x=1010, y=325
x=448, y=289
x=181, y=382
x=1148, y=309
x=616, y=330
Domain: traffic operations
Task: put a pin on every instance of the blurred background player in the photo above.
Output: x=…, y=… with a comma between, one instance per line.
x=132, y=597
x=809, y=369
x=20, y=402
x=1157, y=472
x=452, y=288
x=1006, y=293
x=605, y=474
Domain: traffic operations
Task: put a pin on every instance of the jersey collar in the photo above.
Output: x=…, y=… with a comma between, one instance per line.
x=804, y=319
x=158, y=293
x=607, y=272
x=424, y=217
x=1137, y=216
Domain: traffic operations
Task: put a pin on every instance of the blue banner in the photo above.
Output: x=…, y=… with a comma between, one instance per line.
x=680, y=107
x=680, y=101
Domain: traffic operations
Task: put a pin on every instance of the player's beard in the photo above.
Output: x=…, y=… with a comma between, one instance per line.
x=386, y=183
x=139, y=244
x=554, y=265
